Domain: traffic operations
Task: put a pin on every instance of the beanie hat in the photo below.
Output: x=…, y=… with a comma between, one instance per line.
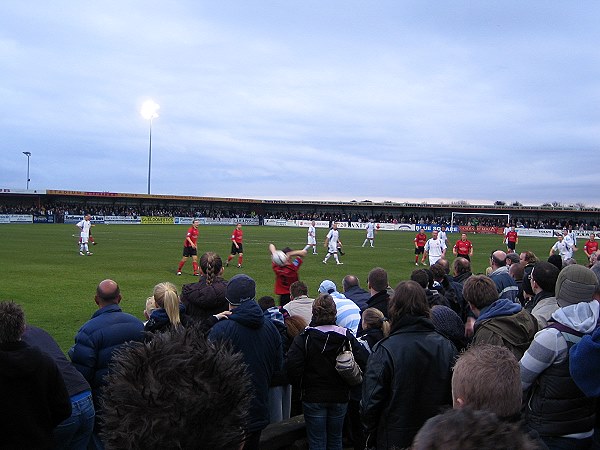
x=584, y=360
x=240, y=288
x=575, y=284
x=447, y=322
x=328, y=287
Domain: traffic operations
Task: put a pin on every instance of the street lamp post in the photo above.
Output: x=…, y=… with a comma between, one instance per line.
x=28, y=154
x=150, y=111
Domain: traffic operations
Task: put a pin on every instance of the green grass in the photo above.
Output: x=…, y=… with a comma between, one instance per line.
x=41, y=268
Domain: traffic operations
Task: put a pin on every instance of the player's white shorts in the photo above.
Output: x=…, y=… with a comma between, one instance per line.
x=312, y=241
x=84, y=237
x=332, y=248
x=370, y=234
x=433, y=259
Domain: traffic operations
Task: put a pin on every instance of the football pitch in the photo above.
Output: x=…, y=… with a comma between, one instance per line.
x=41, y=268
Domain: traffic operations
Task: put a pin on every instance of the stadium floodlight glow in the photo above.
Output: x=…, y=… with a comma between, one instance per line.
x=28, y=154
x=149, y=112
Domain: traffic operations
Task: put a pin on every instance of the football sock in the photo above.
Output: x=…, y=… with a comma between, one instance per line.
x=229, y=258
x=336, y=257
x=327, y=257
x=306, y=247
x=181, y=263
x=365, y=243
x=195, y=265
x=240, y=258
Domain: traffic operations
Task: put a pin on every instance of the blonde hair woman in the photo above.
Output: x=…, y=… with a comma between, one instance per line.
x=169, y=313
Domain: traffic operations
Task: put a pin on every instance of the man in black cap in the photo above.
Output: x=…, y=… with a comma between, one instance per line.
x=257, y=339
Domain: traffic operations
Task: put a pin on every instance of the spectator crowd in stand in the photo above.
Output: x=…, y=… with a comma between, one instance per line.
x=245, y=211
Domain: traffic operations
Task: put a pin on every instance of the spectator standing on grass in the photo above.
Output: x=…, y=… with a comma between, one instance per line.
x=354, y=292
x=154, y=386
x=461, y=270
x=348, y=313
x=206, y=297
x=398, y=395
x=257, y=339
x=98, y=339
x=74, y=432
x=311, y=363
x=555, y=407
x=33, y=396
x=377, y=282
x=280, y=390
x=500, y=321
x=505, y=284
x=170, y=312
x=190, y=248
x=543, y=283
x=300, y=304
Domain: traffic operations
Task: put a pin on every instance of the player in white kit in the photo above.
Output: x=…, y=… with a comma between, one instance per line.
x=434, y=248
x=370, y=227
x=332, y=241
x=442, y=235
x=311, y=238
x=84, y=227
x=562, y=247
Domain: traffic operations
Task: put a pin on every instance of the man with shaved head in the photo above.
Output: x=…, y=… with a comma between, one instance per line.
x=98, y=339
x=505, y=284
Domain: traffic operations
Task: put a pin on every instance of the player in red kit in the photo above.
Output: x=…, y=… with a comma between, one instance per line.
x=236, y=245
x=463, y=248
x=190, y=247
x=287, y=274
x=512, y=239
x=591, y=245
x=420, y=241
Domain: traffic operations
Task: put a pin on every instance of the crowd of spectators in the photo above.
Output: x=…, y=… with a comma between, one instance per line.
x=528, y=373
x=248, y=211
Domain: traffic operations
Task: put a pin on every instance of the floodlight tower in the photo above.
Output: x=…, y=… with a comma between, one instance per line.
x=28, y=154
x=149, y=112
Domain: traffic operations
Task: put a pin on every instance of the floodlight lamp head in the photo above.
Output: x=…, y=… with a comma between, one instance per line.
x=27, y=153
x=150, y=110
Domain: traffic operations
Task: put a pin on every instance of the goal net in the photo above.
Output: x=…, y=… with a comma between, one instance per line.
x=480, y=219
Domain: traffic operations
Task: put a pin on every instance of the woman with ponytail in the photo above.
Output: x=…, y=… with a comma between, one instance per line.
x=206, y=297
x=169, y=314
x=375, y=326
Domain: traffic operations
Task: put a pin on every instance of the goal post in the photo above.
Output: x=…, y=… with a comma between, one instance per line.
x=475, y=215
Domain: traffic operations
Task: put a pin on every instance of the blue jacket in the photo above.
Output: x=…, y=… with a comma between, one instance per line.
x=98, y=338
x=505, y=284
x=257, y=339
x=359, y=296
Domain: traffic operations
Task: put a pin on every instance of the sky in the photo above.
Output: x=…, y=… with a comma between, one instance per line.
x=385, y=100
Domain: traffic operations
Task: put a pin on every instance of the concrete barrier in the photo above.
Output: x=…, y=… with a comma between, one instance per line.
x=288, y=434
